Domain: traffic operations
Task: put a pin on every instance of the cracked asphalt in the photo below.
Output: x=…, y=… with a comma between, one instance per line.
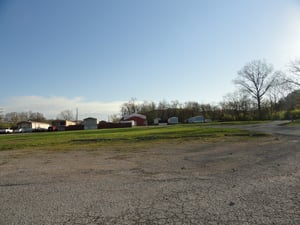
x=254, y=181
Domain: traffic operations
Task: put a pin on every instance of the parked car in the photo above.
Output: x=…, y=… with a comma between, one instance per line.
x=24, y=130
x=6, y=131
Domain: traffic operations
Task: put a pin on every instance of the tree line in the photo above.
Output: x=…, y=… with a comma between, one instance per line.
x=12, y=118
x=261, y=93
x=236, y=106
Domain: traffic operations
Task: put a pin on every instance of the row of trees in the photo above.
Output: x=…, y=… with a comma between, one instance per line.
x=262, y=93
x=14, y=117
x=165, y=110
x=235, y=106
x=258, y=79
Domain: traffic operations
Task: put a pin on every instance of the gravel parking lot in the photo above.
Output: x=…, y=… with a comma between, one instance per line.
x=256, y=181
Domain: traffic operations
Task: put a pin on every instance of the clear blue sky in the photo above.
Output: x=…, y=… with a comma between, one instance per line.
x=99, y=53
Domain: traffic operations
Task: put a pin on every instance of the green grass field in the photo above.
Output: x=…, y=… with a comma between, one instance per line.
x=130, y=137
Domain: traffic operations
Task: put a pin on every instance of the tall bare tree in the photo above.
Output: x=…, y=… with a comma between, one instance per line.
x=65, y=115
x=129, y=107
x=256, y=78
x=36, y=116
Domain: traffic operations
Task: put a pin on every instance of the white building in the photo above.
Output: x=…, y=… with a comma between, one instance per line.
x=29, y=126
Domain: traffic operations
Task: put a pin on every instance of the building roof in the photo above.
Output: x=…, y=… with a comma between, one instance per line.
x=90, y=118
x=127, y=117
x=29, y=122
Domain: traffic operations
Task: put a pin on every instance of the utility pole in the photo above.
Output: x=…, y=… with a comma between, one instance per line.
x=76, y=115
x=1, y=111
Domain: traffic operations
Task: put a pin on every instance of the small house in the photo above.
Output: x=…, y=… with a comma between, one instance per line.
x=90, y=123
x=61, y=125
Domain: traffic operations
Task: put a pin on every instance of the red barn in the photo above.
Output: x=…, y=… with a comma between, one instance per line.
x=138, y=119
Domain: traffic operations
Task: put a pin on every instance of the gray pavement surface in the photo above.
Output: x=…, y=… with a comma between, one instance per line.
x=254, y=181
x=275, y=127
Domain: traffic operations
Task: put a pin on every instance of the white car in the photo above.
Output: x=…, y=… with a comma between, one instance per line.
x=6, y=131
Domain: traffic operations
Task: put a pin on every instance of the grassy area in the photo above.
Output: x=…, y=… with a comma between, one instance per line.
x=131, y=137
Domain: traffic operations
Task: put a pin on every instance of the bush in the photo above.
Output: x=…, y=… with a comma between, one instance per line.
x=228, y=117
x=278, y=115
x=293, y=114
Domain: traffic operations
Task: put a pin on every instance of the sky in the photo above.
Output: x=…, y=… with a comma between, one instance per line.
x=95, y=55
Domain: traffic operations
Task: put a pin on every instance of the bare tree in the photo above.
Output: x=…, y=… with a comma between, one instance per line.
x=36, y=116
x=146, y=107
x=279, y=90
x=237, y=104
x=175, y=104
x=256, y=78
x=193, y=106
x=129, y=107
x=115, y=118
x=65, y=115
x=163, y=105
x=295, y=71
x=15, y=117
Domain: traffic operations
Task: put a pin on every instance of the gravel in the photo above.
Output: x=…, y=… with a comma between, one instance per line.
x=256, y=181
